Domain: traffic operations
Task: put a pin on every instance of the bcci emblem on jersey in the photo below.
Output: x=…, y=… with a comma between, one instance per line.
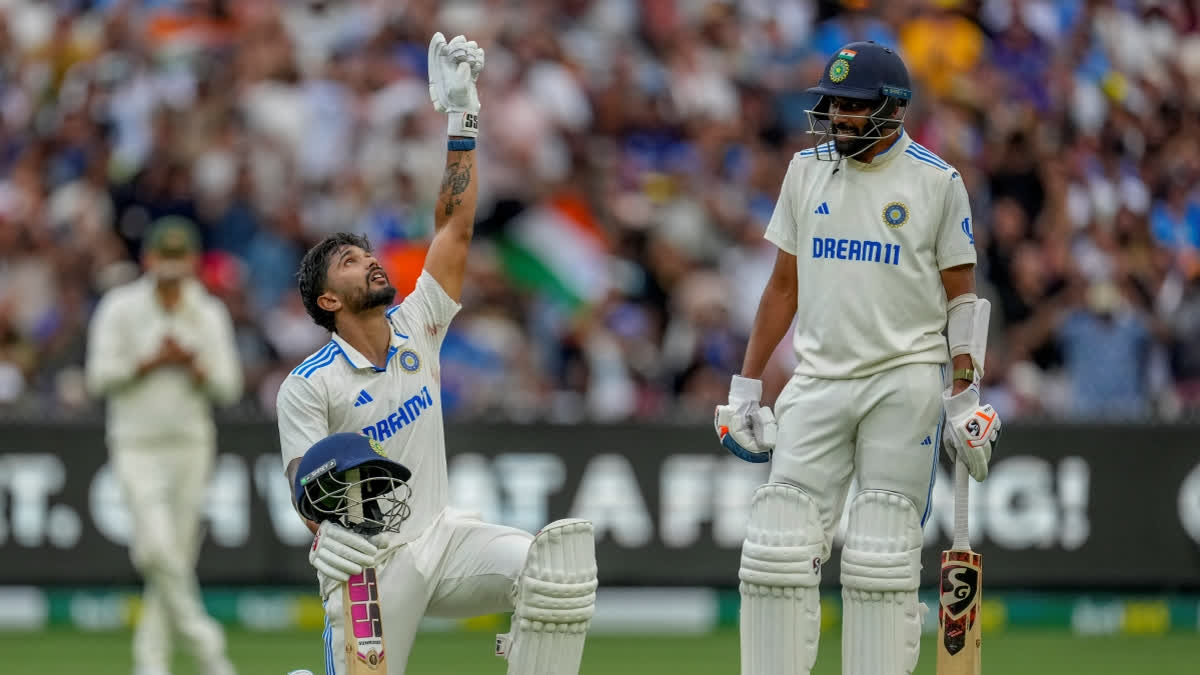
x=409, y=361
x=895, y=215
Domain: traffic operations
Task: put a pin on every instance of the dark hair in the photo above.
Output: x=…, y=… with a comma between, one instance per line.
x=314, y=268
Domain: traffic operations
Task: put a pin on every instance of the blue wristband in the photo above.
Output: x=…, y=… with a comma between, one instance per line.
x=461, y=144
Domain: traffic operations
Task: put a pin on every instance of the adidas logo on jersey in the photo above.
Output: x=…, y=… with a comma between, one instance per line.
x=363, y=398
x=927, y=441
x=823, y=209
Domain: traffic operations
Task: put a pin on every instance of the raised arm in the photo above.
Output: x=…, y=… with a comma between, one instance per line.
x=453, y=69
x=454, y=223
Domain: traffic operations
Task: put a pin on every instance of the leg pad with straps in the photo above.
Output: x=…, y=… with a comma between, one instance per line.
x=780, y=571
x=881, y=570
x=555, y=601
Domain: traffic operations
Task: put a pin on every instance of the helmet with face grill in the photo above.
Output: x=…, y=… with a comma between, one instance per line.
x=867, y=72
x=347, y=478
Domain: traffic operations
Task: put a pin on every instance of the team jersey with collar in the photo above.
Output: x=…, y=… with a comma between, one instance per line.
x=870, y=241
x=337, y=389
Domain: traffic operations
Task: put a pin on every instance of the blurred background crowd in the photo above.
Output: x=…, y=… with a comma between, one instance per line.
x=630, y=159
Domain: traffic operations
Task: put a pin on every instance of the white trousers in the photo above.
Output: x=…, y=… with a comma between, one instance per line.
x=884, y=430
x=460, y=567
x=163, y=485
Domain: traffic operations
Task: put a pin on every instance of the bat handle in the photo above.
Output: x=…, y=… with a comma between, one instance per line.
x=354, y=497
x=962, y=484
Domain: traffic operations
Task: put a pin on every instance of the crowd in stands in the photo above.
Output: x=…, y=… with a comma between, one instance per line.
x=630, y=157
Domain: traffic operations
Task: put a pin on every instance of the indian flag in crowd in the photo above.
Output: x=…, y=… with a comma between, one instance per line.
x=559, y=250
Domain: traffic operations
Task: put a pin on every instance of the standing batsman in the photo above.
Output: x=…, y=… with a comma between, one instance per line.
x=161, y=351
x=379, y=376
x=876, y=259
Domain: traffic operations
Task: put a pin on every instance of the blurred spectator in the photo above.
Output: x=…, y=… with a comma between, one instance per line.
x=1107, y=347
x=631, y=158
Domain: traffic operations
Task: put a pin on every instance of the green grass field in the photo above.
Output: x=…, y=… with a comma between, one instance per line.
x=67, y=651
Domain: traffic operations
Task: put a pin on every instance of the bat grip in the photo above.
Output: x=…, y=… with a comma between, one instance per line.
x=354, y=500
x=962, y=484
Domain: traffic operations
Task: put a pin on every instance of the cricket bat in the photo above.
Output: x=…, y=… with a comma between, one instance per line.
x=959, y=630
x=362, y=618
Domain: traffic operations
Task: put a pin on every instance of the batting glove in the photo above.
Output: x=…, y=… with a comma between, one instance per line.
x=339, y=553
x=453, y=68
x=745, y=428
x=972, y=429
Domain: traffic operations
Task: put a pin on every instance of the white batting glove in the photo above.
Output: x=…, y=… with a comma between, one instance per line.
x=453, y=68
x=745, y=428
x=339, y=553
x=972, y=429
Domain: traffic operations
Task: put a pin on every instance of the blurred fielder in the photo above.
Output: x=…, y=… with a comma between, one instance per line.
x=876, y=258
x=379, y=376
x=161, y=350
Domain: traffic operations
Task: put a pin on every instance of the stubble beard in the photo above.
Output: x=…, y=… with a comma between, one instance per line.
x=374, y=297
x=851, y=147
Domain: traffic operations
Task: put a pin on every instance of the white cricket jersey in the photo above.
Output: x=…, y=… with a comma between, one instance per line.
x=870, y=241
x=337, y=389
x=165, y=405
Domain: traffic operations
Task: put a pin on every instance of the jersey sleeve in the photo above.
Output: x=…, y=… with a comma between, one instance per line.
x=303, y=417
x=955, y=238
x=220, y=356
x=783, y=229
x=427, y=310
x=109, y=365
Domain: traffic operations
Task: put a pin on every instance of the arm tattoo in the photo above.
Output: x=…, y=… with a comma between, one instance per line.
x=454, y=183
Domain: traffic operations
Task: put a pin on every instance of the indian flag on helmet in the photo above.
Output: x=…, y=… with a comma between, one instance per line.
x=559, y=251
x=847, y=54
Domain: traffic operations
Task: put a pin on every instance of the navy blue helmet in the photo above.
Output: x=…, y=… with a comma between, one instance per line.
x=348, y=478
x=868, y=72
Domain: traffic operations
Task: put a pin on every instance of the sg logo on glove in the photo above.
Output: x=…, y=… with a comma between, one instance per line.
x=979, y=427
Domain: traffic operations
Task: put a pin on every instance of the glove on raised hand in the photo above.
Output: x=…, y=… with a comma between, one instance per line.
x=453, y=69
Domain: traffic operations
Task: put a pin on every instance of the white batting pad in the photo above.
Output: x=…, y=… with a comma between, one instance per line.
x=555, y=600
x=780, y=571
x=881, y=570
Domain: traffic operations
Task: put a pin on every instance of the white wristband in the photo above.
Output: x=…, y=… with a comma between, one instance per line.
x=744, y=389
x=462, y=124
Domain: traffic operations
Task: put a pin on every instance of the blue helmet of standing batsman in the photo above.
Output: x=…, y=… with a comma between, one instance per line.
x=348, y=478
x=874, y=79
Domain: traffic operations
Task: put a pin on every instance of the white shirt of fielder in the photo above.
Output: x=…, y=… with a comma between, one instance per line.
x=869, y=246
x=337, y=389
x=128, y=327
